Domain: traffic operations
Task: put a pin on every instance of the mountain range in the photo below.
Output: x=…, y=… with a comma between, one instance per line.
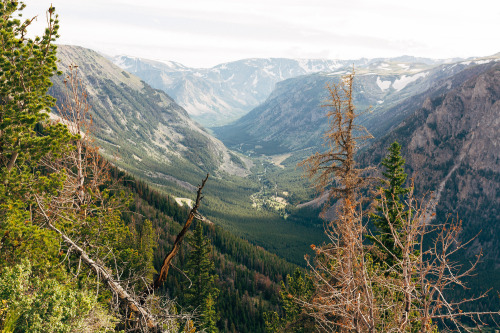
x=444, y=113
x=385, y=92
x=218, y=95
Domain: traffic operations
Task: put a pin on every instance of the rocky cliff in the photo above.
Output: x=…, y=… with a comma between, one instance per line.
x=452, y=148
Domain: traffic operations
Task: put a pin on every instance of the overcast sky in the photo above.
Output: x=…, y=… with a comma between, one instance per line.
x=203, y=33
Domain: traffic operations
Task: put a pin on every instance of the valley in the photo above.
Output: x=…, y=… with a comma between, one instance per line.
x=255, y=190
x=247, y=169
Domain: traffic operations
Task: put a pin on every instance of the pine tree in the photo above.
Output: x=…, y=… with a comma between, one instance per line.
x=395, y=210
x=202, y=293
x=209, y=313
x=26, y=136
x=298, y=289
x=26, y=66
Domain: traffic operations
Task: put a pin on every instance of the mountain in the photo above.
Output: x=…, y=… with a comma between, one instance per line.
x=292, y=118
x=144, y=132
x=451, y=145
x=143, y=129
x=218, y=95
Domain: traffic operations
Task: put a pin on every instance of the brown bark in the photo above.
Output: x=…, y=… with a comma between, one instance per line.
x=12, y=161
x=101, y=271
x=162, y=276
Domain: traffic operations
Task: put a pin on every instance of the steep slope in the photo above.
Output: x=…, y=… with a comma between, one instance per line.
x=451, y=145
x=143, y=131
x=246, y=274
x=143, y=128
x=292, y=118
x=218, y=95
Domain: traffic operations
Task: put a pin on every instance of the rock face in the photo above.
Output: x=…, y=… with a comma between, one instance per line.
x=142, y=128
x=292, y=118
x=219, y=95
x=452, y=147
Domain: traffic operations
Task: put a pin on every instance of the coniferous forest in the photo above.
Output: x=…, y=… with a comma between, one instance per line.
x=348, y=235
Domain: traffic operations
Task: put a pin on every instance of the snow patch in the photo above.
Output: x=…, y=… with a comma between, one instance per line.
x=480, y=62
x=384, y=66
x=383, y=85
x=255, y=82
x=230, y=78
x=399, y=84
x=120, y=61
x=337, y=73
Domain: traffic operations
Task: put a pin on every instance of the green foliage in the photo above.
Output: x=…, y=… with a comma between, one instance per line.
x=31, y=304
x=209, y=315
x=147, y=245
x=26, y=66
x=298, y=289
x=202, y=293
x=395, y=208
x=26, y=136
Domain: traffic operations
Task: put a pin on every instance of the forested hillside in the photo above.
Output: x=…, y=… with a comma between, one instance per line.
x=247, y=276
x=143, y=131
x=120, y=213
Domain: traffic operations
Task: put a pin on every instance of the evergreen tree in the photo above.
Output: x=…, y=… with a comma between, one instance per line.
x=298, y=289
x=395, y=211
x=26, y=136
x=210, y=315
x=202, y=293
x=26, y=66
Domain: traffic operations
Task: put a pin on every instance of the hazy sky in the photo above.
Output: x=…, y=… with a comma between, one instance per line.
x=203, y=33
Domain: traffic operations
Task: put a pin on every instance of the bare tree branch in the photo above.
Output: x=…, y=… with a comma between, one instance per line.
x=162, y=276
x=102, y=271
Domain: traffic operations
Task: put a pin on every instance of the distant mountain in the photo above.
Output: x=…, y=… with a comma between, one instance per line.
x=451, y=145
x=143, y=131
x=292, y=118
x=216, y=96
x=221, y=94
x=142, y=128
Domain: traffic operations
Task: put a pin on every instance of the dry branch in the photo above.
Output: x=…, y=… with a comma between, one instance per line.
x=162, y=276
x=102, y=272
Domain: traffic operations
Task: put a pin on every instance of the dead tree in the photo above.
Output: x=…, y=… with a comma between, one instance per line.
x=336, y=172
x=162, y=275
x=81, y=213
x=353, y=293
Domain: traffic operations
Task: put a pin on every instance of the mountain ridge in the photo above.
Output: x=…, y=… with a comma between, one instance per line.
x=292, y=118
x=143, y=126
x=451, y=148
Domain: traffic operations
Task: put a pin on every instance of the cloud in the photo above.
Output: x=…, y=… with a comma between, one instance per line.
x=204, y=33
